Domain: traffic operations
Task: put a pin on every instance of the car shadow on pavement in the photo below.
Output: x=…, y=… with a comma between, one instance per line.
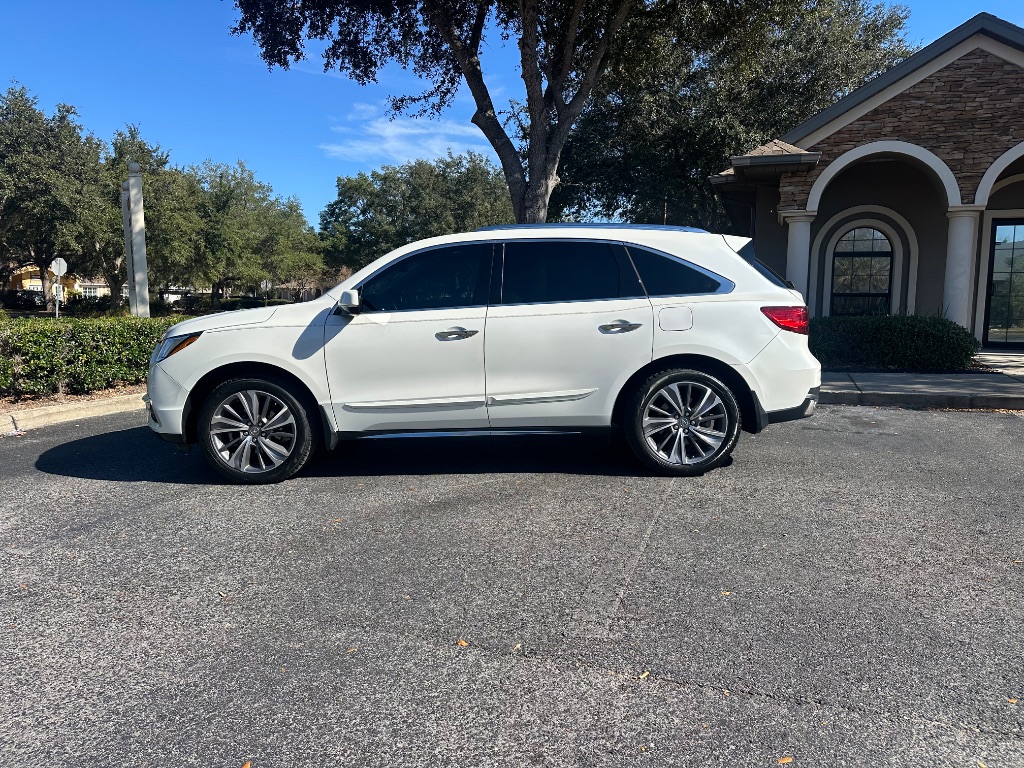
x=136, y=455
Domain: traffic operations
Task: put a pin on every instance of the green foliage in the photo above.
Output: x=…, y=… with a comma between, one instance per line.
x=47, y=165
x=377, y=212
x=668, y=117
x=45, y=356
x=907, y=342
x=214, y=225
x=564, y=49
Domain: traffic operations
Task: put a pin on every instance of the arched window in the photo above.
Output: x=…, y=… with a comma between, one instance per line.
x=862, y=273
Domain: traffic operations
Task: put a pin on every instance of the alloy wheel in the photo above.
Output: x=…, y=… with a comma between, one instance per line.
x=253, y=431
x=685, y=423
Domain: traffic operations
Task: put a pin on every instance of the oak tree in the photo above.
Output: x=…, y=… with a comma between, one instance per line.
x=564, y=49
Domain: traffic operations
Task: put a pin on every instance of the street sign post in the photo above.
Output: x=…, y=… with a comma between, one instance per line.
x=59, y=267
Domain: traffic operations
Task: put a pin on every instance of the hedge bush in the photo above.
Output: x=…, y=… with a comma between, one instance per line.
x=906, y=342
x=43, y=356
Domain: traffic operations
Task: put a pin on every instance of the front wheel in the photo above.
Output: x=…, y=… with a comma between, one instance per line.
x=255, y=431
x=682, y=422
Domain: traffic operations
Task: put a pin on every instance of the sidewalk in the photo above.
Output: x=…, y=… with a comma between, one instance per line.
x=1004, y=390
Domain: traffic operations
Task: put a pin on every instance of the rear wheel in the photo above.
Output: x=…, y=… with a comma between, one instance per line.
x=682, y=422
x=255, y=431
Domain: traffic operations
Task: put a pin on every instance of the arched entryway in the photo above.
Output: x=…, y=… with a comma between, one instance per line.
x=907, y=203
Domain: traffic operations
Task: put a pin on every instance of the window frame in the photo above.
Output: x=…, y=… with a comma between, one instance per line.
x=895, y=262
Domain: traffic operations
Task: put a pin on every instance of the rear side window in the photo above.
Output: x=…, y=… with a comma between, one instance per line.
x=664, y=276
x=748, y=255
x=537, y=272
x=441, y=278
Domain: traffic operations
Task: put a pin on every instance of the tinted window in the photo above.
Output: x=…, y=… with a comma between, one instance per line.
x=747, y=252
x=665, y=276
x=440, y=278
x=551, y=271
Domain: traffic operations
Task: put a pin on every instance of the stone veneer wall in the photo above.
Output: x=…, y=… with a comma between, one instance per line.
x=968, y=113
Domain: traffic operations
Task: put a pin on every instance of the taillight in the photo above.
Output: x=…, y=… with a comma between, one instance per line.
x=793, y=319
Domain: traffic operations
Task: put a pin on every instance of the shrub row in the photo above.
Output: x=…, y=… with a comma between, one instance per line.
x=42, y=356
x=906, y=342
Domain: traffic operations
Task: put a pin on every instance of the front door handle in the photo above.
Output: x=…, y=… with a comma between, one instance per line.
x=619, y=326
x=454, y=334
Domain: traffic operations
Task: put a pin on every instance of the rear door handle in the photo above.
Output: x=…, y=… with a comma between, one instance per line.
x=619, y=326
x=454, y=334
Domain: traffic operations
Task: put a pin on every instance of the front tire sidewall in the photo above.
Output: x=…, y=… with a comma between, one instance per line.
x=303, y=433
x=638, y=406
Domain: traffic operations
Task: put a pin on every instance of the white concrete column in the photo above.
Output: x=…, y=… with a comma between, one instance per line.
x=961, y=245
x=798, y=250
x=129, y=262
x=138, y=255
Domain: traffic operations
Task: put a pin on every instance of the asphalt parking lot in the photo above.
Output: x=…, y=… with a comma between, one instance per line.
x=850, y=591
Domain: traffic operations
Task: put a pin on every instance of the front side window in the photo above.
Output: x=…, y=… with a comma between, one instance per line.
x=862, y=273
x=548, y=271
x=441, y=278
x=665, y=276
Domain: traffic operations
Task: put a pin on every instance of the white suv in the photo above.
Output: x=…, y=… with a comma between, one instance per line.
x=676, y=337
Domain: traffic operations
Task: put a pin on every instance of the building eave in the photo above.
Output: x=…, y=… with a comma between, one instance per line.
x=982, y=24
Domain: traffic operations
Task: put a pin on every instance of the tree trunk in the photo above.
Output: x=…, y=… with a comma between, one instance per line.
x=42, y=263
x=115, y=281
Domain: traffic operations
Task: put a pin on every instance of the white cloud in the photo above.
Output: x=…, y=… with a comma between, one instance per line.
x=380, y=140
x=362, y=111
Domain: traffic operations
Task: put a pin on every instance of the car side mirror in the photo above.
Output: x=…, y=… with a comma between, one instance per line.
x=349, y=301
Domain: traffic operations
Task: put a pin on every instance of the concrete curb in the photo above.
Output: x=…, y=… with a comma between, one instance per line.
x=33, y=418
x=921, y=400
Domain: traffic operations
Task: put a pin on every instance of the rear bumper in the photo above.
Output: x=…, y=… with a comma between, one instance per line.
x=802, y=411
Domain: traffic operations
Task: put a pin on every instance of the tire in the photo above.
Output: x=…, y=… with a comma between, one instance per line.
x=659, y=435
x=255, y=431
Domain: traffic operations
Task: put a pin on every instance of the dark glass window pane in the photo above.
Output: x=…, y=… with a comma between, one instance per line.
x=441, y=278
x=859, y=305
x=879, y=284
x=554, y=271
x=748, y=255
x=862, y=280
x=861, y=283
x=665, y=276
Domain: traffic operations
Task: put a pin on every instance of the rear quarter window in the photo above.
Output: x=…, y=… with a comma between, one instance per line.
x=663, y=275
x=748, y=255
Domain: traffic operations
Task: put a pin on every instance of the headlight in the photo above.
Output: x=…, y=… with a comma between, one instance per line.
x=171, y=345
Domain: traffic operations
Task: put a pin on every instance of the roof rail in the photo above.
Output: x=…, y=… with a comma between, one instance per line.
x=600, y=225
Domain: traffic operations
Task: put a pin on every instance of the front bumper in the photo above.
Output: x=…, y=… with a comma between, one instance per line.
x=165, y=404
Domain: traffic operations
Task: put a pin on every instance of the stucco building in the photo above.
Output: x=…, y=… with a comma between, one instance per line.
x=908, y=194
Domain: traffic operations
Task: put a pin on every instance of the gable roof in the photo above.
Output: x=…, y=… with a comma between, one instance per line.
x=984, y=24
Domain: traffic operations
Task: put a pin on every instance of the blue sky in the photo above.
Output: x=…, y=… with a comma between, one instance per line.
x=172, y=67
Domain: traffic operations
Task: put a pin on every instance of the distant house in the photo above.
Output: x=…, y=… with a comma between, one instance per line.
x=908, y=194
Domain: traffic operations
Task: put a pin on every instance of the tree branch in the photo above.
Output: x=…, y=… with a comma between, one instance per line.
x=485, y=117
